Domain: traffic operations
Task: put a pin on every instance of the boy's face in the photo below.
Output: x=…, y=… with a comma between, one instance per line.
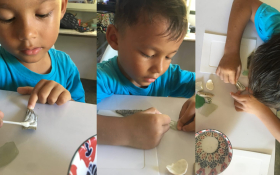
x=143, y=53
x=29, y=28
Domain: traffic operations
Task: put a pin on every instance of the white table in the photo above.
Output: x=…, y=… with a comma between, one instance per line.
x=50, y=148
x=245, y=131
x=169, y=151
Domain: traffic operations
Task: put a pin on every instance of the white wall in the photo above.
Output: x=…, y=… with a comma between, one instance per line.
x=82, y=50
x=185, y=57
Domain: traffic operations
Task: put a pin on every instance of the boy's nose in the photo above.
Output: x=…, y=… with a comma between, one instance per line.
x=158, y=65
x=27, y=31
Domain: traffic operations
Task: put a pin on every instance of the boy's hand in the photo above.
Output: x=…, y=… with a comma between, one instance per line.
x=229, y=68
x=45, y=91
x=249, y=104
x=146, y=128
x=186, y=120
x=1, y=118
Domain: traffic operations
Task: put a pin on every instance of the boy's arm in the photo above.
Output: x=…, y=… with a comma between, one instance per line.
x=74, y=84
x=142, y=130
x=250, y=104
x=112, y=130
x=242, y=11
x=1, y=118
x=272, y=123
x=103, y=86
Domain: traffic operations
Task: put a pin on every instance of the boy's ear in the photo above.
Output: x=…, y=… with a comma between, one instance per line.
x=63, y=8
x=112, y=36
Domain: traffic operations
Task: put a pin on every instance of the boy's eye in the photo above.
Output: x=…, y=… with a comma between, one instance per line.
x=169, y=57
x=7, y=20
x=44, y=15
x=147, y=56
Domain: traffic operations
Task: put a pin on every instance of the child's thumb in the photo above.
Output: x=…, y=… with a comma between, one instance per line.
x=1, y=115
x=27, y=90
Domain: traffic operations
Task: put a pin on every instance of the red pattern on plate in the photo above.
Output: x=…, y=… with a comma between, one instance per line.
x=213, y=172
x=73, y=170
x=87, y=151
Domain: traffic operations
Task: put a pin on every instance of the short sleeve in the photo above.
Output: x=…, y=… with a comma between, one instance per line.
x=182, y=83
x=267, y=21
x=74, y=84
x=102, y=86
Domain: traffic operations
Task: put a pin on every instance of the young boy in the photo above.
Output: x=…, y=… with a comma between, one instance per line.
x=28, y=65
x=264, y=65
x=147, y=34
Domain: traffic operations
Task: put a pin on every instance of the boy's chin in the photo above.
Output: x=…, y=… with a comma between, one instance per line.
x=29, y=59
x=143, y=84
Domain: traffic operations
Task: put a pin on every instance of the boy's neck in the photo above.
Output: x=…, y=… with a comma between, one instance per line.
x=43, y=66
x=128, y=77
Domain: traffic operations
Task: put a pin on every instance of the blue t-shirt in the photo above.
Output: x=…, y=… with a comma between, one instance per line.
x=267, y=21
x=13, y=74
x=174, y=82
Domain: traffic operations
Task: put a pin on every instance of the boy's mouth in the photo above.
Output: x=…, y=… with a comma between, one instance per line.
x=31, y=51
x=147, y=79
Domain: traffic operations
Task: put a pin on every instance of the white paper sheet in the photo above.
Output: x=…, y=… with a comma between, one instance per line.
x=49, y=149
x=120, y=160
x=248, y=163
x=213, y=51
x=174, y=145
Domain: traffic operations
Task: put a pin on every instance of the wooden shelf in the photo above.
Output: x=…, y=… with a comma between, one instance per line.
x=82, y=7
x=74, y=32
x=190, y=37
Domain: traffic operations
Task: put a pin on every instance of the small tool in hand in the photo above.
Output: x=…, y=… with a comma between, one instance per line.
x=240, y=86
x=25, y=124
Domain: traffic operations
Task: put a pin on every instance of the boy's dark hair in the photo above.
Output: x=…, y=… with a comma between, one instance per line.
x=264, y=73
x=129, y=11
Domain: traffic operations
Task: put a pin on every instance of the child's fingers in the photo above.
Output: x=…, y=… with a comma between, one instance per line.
x=186, y=117
x=232, y=78
x=165, y=128
x=189, y=127
x=54, y=95
x=1, y=115
x=165, y=119
x=152, y=110
x=44, y=92
x=240, y=98
x=238, y=109
x=238, y=93
x=27, y=90
x=238, y=72
x=221, y=75
x=183, y=109
x=63, y=97
x=34, y=95
x=218, y=71
x=238, y=105
x=226, y=78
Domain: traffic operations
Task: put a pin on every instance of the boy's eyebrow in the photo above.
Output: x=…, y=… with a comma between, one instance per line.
x=4, y=6
x=155, y=49
x=174, y=51
x=45, y=1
